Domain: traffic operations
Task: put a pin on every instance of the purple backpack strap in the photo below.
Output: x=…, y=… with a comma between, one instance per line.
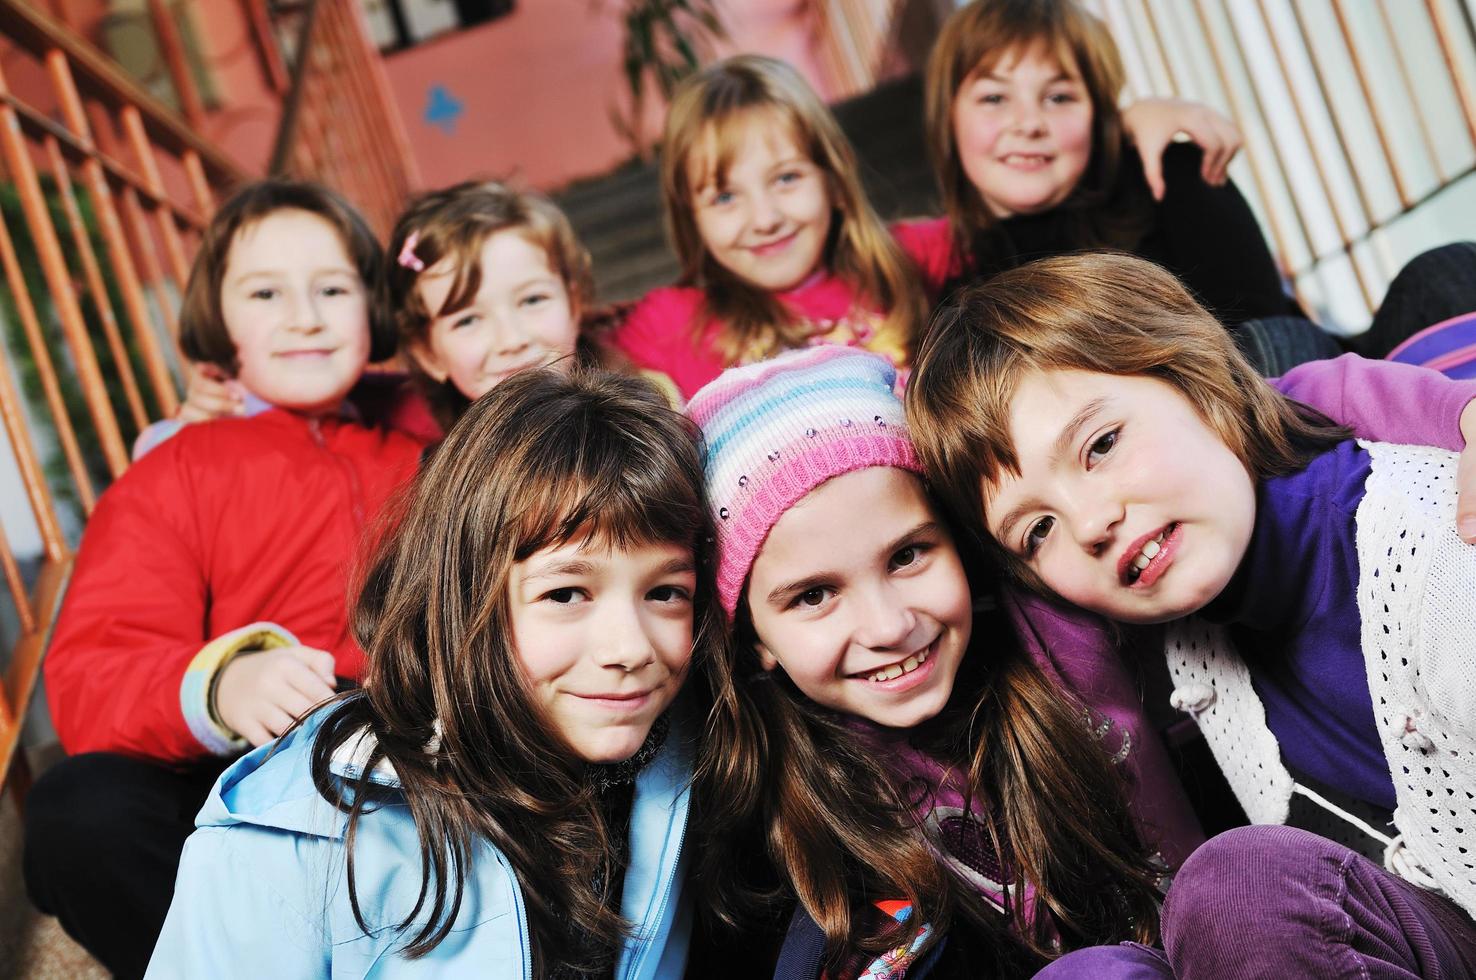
x=1448, y=347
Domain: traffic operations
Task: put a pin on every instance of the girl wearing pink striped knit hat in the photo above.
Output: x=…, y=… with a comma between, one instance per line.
x=901, y=762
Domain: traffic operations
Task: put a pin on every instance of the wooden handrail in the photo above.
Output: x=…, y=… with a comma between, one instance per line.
x=100, y=77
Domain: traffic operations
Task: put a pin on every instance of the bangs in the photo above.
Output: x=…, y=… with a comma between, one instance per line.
x=726, y=133
x=599, y=487
x=1050, y=40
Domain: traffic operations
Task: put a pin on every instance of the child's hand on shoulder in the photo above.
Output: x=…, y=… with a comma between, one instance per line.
x=260, y=694
x=210, y=395
x=1153, y=124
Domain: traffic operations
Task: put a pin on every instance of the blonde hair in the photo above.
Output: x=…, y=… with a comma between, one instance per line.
x=456, y=222
x=1102, y=312
x=971, y=43
x=861, y=250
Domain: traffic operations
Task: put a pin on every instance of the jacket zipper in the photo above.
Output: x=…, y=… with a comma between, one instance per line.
x=351, y=476
x=638, y=961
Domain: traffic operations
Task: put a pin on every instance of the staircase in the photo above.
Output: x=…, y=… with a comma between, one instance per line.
x=619, y=217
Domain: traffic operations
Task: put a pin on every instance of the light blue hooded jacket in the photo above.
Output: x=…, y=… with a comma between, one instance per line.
x=262, y=890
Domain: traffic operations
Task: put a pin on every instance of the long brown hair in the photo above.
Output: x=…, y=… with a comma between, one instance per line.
x=708, y=106
x=846, y=834
x=971, y=43
x=543, y=459
x=1102, y=312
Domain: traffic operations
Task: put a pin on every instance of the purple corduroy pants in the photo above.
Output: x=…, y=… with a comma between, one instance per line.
x=1277, y=902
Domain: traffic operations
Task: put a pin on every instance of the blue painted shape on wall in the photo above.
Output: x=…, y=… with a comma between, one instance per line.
x=442, y=109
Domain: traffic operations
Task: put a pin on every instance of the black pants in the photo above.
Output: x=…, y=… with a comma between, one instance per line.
x=103, y=836
x=1432, y=287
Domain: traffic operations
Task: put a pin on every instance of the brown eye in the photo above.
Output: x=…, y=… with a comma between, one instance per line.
x=1101, y=447
x=1036, y=536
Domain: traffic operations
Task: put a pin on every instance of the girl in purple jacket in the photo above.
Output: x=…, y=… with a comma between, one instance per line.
x=1125, y=458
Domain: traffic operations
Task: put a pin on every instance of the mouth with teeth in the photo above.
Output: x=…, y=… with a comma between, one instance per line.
x=1026, y=161
x=1149, y=557
x=901, y=668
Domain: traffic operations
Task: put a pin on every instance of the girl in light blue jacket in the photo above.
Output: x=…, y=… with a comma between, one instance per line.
x=508, y=796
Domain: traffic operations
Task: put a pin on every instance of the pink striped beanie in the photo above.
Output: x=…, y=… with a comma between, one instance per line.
x=778, y=429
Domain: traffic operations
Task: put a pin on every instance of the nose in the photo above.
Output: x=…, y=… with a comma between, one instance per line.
x=1093, y=523
x=507, y=339
x=1028, y=119
x=887, y=620
x=306, y=317
x=624, y=640
x=765, y=215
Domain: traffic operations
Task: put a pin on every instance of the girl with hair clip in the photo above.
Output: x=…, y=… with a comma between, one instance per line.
x=486, y=281
x=206, y=608
x=509, y=793
x=1032, y=160
x=1123, y=456
x=931, y=799
x=778, y=244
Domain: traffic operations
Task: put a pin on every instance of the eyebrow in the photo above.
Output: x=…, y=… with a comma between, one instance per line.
x=781, y=594
x=1061, y=448
x=542, y=279
x=677, y=566
x=1068, y=435
x=1059, y=77
x=273, y=273
x=578, y=567
x=573, y=566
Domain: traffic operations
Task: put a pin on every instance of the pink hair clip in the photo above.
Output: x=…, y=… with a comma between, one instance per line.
x=408, y=258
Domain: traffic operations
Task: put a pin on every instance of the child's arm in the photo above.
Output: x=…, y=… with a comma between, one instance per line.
x=1393, y=402
x=130, y=668
x=209, y=394
x=1215, y=244
x=1153, y=124
x=658, y=334
x=244, y=904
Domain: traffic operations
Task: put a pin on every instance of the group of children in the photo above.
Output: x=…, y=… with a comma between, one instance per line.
x=608, y=683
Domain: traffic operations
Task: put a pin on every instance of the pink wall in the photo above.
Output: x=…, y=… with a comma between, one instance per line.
x=535, y=89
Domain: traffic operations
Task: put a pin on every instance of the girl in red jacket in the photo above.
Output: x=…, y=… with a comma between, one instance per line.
x=207, y=607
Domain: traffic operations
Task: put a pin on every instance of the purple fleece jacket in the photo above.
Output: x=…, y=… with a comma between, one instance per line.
x=1379, y=400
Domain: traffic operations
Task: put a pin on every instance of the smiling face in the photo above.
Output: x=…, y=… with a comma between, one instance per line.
x=1127, y=503
x=768, y=219
x=520, y=317
x=604, y=637
x=295, y=308
x=1023, y=131
x=867, y=617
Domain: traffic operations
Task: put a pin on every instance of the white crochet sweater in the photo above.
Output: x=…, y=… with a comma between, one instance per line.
x=1417, y=603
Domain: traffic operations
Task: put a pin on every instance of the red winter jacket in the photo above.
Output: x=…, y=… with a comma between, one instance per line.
x=228, y=523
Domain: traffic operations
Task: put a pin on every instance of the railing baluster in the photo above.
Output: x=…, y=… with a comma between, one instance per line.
x=118, y=250
x=33, y=478
x=92, y=272
x=1296, y=99
x=58, y=280
x=143, y=152
x=1446, y=32
x=1401, y=185
x=18, y=595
